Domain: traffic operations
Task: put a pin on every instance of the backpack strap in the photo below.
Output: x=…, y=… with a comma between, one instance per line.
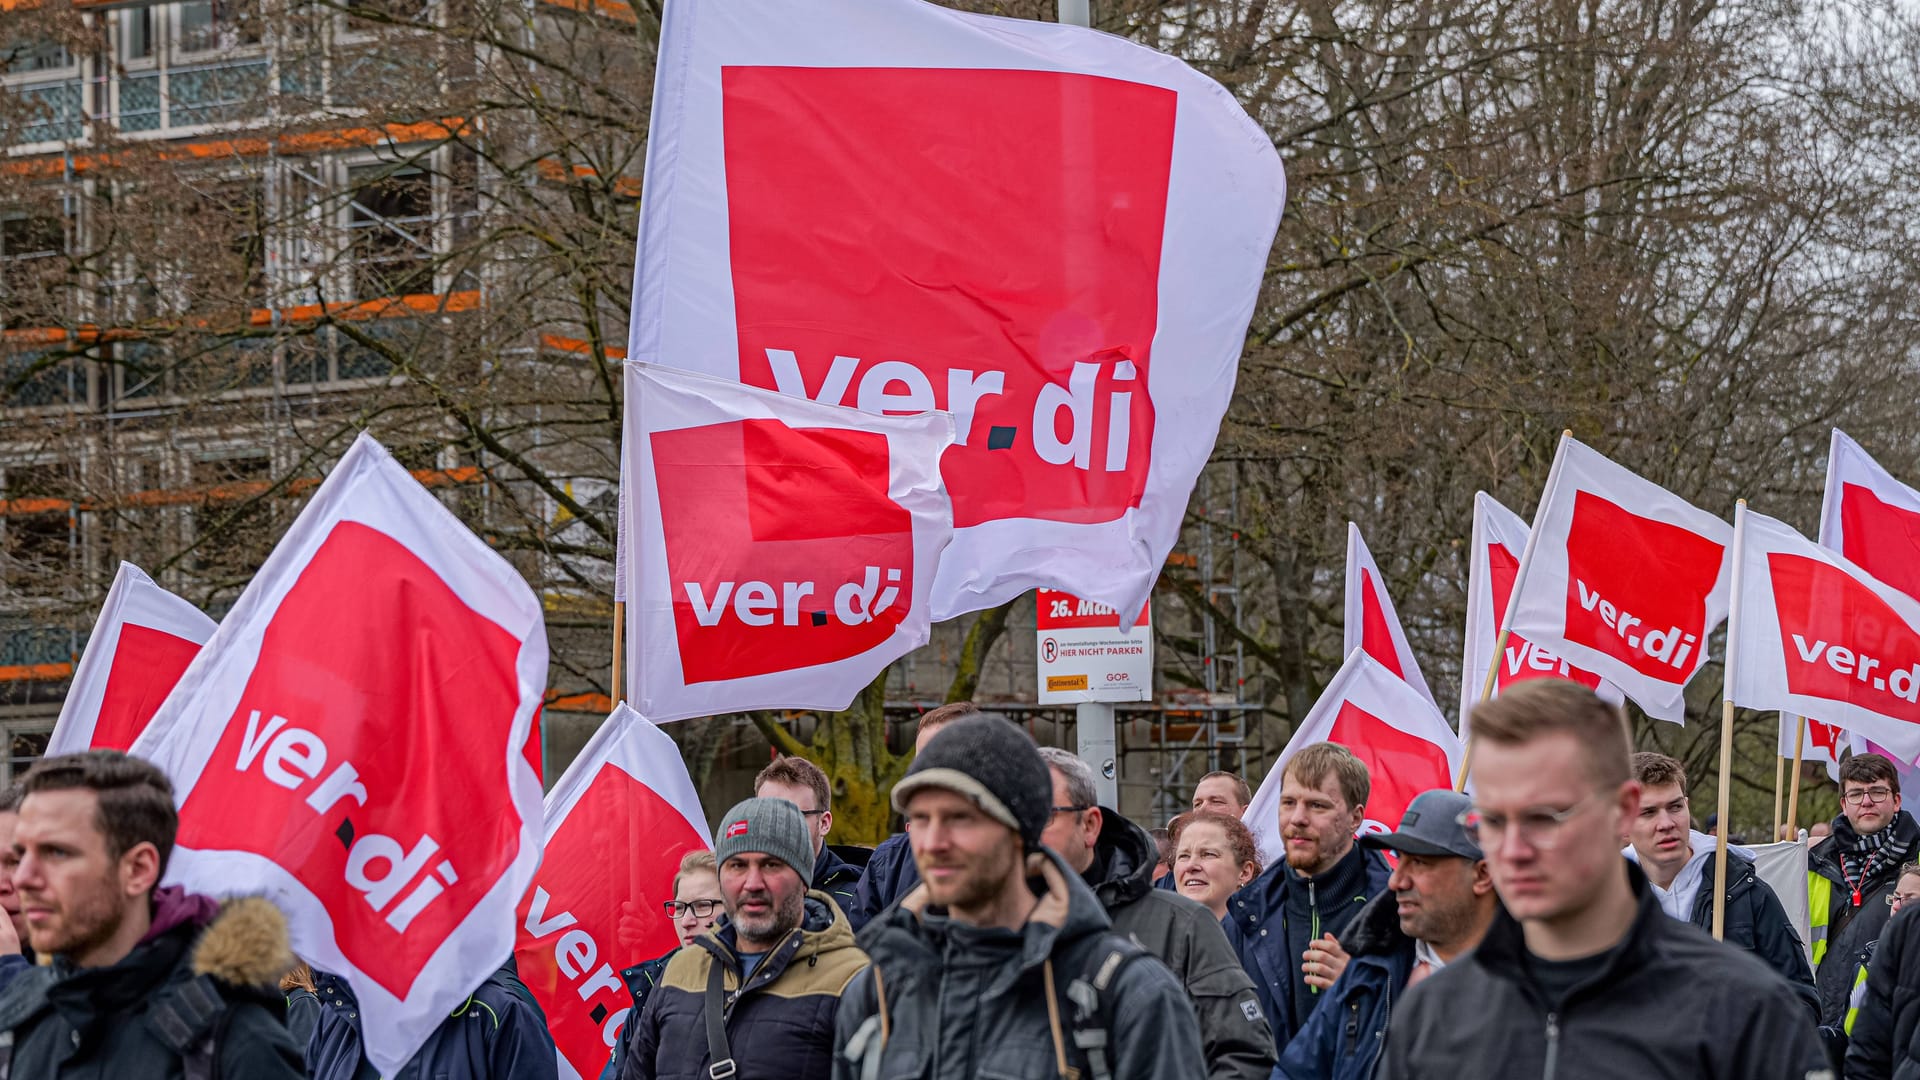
x=184, y=1018
x=1090, y=994
x=718, y=1051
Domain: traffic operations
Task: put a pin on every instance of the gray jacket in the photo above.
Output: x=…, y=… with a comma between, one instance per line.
x=1187, y=938
x=964, y=1001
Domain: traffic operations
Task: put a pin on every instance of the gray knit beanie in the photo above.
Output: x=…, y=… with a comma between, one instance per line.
x=769, y=827
x=989, y=760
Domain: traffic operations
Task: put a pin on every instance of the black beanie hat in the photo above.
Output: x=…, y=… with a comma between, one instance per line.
x=992, y=762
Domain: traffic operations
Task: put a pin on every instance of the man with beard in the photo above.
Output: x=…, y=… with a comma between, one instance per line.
x=1439, y=903
x=140, y=981
x=1001, y=962
x=1285, y=924
x=755, y=996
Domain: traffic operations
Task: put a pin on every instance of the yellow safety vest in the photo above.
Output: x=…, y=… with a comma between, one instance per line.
x=1855, y=999
x=1819, y=913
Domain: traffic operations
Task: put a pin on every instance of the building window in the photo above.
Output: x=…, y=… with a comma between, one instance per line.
x=390, y=226
x=31, y=246
x=38, y=533
x=26, y=743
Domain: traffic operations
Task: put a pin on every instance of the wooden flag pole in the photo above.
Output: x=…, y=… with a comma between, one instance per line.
x=1726, y=727
x=1779, y=785
x=619, y=688
x=1793, y=796
x=1486, y=693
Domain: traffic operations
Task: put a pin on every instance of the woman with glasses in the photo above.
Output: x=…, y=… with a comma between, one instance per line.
x=1883, y=1016
x=695, y=905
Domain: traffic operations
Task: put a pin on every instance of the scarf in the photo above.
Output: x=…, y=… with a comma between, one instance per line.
x=1863, y=858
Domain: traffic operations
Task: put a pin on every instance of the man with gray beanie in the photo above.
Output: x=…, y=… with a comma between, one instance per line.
x=756, y=995
x=1438, y=905
x=1001, y=961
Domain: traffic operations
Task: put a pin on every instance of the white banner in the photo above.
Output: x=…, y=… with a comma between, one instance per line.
x=782, y=550
x=1372, y=623
x=1623, y=578
x=350, y=744
x=1083, y=655
x=1057, y=235
x=1404, y=741
x=142, y=641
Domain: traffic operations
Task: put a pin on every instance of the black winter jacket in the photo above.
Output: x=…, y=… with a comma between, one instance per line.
x=1670, y=1002
x=1190, y=941
x=890, y=874
x=837, y=871
x=779, y=1025
x=1850, y=929
x=965, y=1001
x=498, y=1033
x=1886, y=1036
x=1756, y=922
x=103, y=1023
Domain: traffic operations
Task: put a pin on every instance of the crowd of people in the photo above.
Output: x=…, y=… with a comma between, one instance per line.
x=1554, y=923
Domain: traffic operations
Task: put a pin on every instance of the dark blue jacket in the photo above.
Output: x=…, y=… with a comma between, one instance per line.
x=890, y=874
x=641, y=979
x=1271, y=921
x=12, y=965
x=837, y=871
x=1343, y=1037
x=496, y=1034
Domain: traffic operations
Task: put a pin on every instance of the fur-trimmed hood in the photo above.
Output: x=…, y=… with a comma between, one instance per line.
x=245, y=944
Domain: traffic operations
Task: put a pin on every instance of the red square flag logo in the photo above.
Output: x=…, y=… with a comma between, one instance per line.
x=738, y=828
x=1637, y=588
x=1036, y=334
x=358, y=756
x=1399, y=765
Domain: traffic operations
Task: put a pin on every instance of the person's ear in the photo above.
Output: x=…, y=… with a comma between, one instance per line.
x=1482, y=878
x=140, y=869
x=826, y=822
x=1359, y=817
x=1091, y=823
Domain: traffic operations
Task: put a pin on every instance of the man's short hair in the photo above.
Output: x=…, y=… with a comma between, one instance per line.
x=1240, y=789
x=1866, y=768
x=135, y=797
x=1162, y=844
x=1077, y=773
x=1313, y=764
x=11, y=797
x=798, y=772
x=940, y=717
x=1659, y=770
x=1537, y=707
x=692, y=863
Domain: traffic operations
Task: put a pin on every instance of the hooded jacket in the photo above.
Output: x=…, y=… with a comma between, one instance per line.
x=965, y=1001
x=1667, y=1003
x=779, y=1025
x=496, y=1034
x=837, y=873
x=1271, y=921
x=1187, y=938
x=890, y=874
x=1842, y=942
x=104, y=1023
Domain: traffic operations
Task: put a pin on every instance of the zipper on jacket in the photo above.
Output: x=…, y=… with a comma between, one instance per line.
x=1553, y=1046
x=1353, y=1027
x=1313, y=923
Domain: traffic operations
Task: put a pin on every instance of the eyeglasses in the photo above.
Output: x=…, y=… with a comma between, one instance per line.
x=811, y=813
x=1895, y=900
x=1070, y=809
x=701, y=909
x=1539, y=827
x=1872, y=794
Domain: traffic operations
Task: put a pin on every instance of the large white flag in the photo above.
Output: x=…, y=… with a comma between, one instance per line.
x=782, y=551
x=1404, y=741
x=1499, y=542
x=351, y=744
x=142, y=641
x=1372, y=624
x=1624, y=578
x=1818, y=636
x=618, y=822
x=1054, y=234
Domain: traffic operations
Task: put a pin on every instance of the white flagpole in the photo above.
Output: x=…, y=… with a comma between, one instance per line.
x=1726, y=723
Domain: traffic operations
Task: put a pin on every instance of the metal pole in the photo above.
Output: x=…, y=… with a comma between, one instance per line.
x=1076, y=12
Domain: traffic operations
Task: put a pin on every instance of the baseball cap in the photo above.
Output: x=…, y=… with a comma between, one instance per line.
x=1431, y=826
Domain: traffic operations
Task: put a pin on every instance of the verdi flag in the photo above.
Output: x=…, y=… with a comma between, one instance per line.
x=1054, y=234
x=1400, y=736
x=351, y=744
x=782, y=551
x=1623, y=578
x=1499, y=541
x=1819, y=636
x=618, y=823
x=142, y=641
x=1371, y=622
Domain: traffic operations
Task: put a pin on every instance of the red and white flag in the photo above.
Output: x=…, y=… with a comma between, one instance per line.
x=1623, y=578
x=1056, y=235
x=618, y=822
x=351, y=744
x=1404, y=741
x=1824, y=742
x=781, y=551
x=1371, y=622
x=1818, y=636
x=143, y=640
x=1499, y=542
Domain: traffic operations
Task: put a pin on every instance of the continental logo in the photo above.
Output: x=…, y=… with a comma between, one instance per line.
x=1066, y=682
